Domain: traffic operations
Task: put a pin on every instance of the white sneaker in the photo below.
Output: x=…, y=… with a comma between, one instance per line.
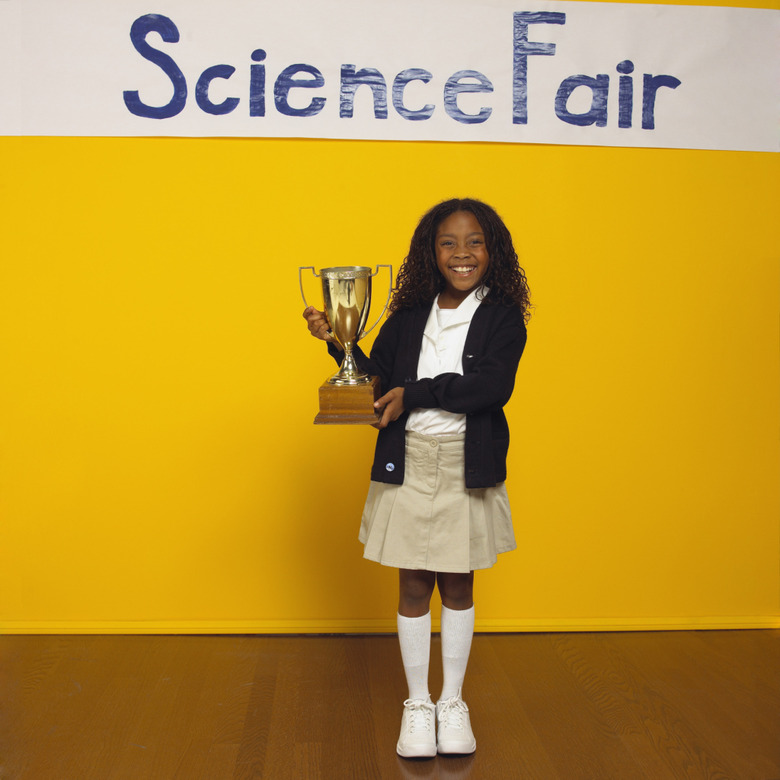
x=418, y=729
x=455, y=734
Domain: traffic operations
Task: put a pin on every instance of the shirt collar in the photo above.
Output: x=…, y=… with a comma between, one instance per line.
x=462, y=314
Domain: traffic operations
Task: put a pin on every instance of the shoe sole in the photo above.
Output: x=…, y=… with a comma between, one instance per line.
x=416, y=754
x=459, y=750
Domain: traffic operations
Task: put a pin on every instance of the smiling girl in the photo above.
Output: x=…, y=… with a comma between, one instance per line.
x=437, y=507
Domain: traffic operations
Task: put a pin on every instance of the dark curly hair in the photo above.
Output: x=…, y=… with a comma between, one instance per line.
x=419, y=280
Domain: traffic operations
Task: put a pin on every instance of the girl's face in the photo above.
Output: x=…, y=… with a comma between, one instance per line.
x=461, y=256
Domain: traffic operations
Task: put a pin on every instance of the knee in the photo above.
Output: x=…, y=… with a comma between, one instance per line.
x=456, y=590
x=415, y=590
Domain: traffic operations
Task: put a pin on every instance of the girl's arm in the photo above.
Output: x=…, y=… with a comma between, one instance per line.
x=383, y=352
x=379, y=364
x=488, y=378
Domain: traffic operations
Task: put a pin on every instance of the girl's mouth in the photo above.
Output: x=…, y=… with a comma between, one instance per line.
x=463, y=270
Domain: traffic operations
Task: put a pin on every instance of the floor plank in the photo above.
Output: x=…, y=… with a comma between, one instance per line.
x=596, y=706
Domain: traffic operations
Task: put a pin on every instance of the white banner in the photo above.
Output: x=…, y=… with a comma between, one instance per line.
x=519, y=71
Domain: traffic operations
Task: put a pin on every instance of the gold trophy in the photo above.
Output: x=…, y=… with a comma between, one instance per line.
x=347, y=398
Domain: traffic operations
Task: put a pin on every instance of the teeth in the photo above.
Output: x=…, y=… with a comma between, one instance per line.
x=463, y=269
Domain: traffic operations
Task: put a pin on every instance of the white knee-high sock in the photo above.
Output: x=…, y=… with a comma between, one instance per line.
x=457, y=629
x=414, y=636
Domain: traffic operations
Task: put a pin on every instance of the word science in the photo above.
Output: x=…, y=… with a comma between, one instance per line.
x=297, y=89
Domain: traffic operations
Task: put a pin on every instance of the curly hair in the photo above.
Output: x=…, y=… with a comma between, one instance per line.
x=419, y=280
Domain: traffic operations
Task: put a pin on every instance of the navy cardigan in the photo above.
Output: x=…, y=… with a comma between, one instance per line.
x=494, y=344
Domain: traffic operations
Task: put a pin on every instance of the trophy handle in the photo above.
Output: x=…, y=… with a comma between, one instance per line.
x=300, y=280
x=389, y=291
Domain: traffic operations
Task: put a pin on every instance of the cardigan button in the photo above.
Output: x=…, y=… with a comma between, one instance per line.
x=390, y=467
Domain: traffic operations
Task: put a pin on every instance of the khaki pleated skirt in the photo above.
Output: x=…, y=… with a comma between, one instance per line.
x=433, y=521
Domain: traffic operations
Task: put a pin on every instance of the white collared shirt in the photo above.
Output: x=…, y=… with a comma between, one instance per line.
x=443, y=342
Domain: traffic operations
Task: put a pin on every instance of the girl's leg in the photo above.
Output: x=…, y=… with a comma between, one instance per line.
x=457, y=628
x=418, y=724
x=414, y=628
x=415, y=588
x=456, y=590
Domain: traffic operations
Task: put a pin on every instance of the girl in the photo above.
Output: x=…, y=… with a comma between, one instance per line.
x=437, y=508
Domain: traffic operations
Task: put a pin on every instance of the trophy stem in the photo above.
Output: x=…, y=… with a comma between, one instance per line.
x=349, y=374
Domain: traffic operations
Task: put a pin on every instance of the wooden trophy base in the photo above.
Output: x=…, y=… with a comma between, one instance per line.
x=348, y=404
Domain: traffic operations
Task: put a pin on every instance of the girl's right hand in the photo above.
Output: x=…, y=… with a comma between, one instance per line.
x=318, y=324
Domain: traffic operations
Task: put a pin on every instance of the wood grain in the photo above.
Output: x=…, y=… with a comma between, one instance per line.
x=605, y=706
x=348, y=404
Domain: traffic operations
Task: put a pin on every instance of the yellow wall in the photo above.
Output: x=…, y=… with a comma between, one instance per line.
x=159, y=470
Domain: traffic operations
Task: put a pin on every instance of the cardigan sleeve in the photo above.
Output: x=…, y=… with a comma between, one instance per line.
x=383, y=352
x=489, y=368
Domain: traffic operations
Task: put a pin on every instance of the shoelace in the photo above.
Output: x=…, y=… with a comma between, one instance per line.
x=419, y=715
x=451, y=712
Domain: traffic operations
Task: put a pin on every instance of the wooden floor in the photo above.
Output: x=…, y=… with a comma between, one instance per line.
x=607, y=706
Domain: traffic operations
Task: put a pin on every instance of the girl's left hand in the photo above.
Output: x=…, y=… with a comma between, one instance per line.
x=391, y=405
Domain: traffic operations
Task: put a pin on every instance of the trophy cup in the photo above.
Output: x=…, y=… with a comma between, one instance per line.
x=347, y=398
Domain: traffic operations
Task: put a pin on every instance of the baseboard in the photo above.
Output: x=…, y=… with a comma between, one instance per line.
x=383, y=626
